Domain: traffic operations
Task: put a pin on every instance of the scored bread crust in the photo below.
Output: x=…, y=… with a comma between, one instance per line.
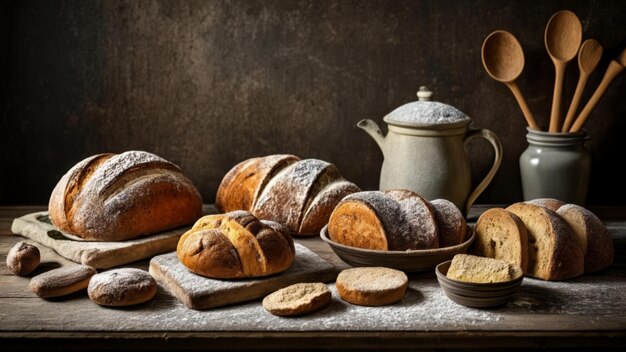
x=114, y=197
x=592, y=234
x=299, y=194
x=553, y=250
x=241, y=186
x=502, y=235
x=236, y=245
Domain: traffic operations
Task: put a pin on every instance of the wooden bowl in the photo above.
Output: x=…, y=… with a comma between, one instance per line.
x=479, y=295
x=408, y=261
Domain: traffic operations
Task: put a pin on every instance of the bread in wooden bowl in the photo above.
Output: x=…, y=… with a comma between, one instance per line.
x=115, y=197
x=553, y=249
x=395, y=220
x=236, y=245
x=471, y=268
x=299, y=194
x=501, y=234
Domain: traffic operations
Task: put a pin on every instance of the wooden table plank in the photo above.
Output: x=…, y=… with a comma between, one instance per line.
x=587, y=310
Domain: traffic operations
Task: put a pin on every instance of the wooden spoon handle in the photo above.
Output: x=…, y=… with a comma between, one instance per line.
x=580, y=87
x=522, y=104
x=611, y=72
x=555, y=115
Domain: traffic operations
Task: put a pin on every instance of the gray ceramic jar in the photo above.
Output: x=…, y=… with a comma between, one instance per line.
x=425, y=151
x=555, y=165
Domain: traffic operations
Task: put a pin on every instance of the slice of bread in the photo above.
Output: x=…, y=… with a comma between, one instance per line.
x=501, y=234
x=553, y=250
x=298, y=299
x=471, y=268
x=593, y=237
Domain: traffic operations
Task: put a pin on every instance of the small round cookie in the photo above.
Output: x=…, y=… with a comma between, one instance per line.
x=122, y=287
x=62, y=281
x=23, y=259
x=452, y=224
x=371, y=286
x=298, y=299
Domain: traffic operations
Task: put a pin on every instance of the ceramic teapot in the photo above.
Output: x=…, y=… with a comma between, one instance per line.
x=424, y=151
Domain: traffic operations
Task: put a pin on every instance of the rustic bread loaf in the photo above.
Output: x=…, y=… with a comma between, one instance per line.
x=122, y=287
x=501, y=234
x=23, y=258
x=391, y=220
x=236, y=245
x=298, y=299
x=553, y=250
x=114, y=197
x=62, y=281
x=371, y=286
x=593, y=237
x=471, y=268
x=451, y=223
x=299, y=194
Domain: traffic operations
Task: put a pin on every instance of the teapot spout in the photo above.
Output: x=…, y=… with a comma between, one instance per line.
x=373, y=130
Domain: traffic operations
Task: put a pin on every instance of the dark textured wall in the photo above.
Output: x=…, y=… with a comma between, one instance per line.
x=206, y=84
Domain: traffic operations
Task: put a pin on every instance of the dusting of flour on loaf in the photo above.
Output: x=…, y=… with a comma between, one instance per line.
x=420, y=217
x=421, y=113
x=115, y=285
x=392, y=217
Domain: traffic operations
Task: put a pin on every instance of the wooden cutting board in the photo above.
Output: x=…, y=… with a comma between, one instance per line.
x=99, y=255
x=198, y=292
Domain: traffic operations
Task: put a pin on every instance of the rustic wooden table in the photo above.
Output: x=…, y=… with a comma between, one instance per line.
x=587, y=311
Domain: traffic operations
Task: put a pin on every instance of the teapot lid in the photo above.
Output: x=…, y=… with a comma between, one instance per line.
x=426, y=113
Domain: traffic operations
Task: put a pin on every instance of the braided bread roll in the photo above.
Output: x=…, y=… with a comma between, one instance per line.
x=300, y=194
x=115, y=197
x=236, y=245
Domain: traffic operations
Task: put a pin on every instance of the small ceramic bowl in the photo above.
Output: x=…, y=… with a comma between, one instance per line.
x=408, y=261
x=479, y=295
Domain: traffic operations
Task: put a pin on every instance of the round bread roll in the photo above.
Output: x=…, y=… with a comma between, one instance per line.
x=298, y=299
x=62, y=281
x=23, y=259
x=371, y=286
x=122, y=287
x=236, y=245
x=452, y=224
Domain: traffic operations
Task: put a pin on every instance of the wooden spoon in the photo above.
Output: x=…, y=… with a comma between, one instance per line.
x=588, y=58
x=503, y=60
x=615, y=67
x=563, y=36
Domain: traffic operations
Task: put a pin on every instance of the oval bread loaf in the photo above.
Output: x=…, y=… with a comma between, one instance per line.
x=299, y=194
x=62, y=281
x=115, y=197
x=236, y=245
x=122, y=287
x=451, y=223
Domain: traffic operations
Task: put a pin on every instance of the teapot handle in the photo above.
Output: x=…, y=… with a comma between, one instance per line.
x=497, y=147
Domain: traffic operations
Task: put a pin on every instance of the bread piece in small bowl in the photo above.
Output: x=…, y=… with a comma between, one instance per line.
x=479, y=282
